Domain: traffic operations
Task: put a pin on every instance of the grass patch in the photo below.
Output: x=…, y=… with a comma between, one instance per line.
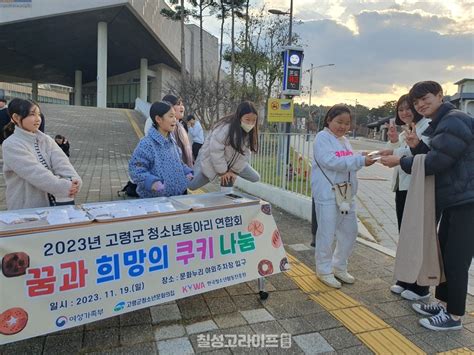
x=295, y=177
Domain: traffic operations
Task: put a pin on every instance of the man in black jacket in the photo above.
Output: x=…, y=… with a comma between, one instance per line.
x=450, y=158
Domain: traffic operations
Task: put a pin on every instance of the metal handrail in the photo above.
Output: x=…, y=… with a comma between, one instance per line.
x=290, y=172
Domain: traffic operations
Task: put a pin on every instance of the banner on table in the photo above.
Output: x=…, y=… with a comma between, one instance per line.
x=64, y=278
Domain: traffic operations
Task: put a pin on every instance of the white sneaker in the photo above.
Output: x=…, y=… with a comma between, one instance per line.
x=397, y=289
x=330, y=280
x=441, y=321
x=344, y=276
x=412, y=296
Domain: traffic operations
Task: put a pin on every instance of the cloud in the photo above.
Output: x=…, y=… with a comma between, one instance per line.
x=392, y=49
x=381, y=47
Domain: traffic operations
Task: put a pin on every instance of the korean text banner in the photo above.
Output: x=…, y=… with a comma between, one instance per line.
x=64, y=278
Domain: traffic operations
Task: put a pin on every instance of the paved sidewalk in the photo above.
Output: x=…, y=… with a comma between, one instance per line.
x=298, y=304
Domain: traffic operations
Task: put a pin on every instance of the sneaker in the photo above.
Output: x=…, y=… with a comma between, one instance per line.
x=397, y=289
x=344, y=276
x=431, y=309
x=412, y=296
x=441, y=321
x=329, y=280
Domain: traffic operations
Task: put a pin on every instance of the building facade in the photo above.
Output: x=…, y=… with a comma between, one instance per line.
x=109, y=51
x=464, y=98
x=47, y=93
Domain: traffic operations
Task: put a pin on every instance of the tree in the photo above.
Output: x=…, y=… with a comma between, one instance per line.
x=203, y=102
x=385, y=110
x=222, y=15
x=201, y=5
x=246, y=39
x=258, y=54
x=236, y=7
x=178, y=13
x=249, y=58
x=276, y=33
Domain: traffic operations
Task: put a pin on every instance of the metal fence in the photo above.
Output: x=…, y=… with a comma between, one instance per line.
x=284, y=160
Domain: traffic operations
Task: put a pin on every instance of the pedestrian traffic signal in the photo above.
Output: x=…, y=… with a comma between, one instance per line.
x=292, y=64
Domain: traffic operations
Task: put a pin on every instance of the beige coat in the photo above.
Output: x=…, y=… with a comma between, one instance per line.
x=418, y=253
x=217, y=156
x=28, y=181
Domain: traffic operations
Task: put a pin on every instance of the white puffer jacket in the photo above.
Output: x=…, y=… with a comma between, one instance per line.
x=217, y=156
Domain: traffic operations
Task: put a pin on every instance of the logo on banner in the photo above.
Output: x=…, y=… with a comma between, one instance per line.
x=61, y=321
x=119, y=306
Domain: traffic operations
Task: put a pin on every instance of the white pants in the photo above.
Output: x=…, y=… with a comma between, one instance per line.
x=334, y=227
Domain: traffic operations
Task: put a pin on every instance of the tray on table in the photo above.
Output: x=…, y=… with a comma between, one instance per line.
x=216, y=200
x=132, y=209
x=32, y=220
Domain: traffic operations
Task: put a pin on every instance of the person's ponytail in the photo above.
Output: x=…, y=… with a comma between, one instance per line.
x=8, y=130
x=20, y=107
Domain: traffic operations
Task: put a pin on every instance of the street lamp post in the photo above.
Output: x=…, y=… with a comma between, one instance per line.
x=311, y=85
x=290, y=41
x=279, y=12
x=355, y=120
x=290, y=35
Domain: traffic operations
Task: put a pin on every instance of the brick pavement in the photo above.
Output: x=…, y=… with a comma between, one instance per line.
x=101, y=146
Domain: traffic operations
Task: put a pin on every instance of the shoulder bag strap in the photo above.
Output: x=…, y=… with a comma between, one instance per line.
x=52, y=200
x=348, y=174
x=323, y=172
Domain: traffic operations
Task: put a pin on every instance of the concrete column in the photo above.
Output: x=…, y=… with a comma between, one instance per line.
x=102, y=64
x=78, y=88
x=34, y=90
x=143, y=78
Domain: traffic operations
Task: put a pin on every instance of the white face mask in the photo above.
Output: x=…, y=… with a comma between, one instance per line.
x=247, y=127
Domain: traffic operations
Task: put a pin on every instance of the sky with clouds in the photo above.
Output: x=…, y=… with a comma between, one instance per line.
x=380, y=48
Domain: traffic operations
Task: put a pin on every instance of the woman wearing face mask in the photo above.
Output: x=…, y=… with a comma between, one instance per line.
x=227, y=148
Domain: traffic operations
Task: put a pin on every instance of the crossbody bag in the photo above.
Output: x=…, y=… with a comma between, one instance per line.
x=342, y=190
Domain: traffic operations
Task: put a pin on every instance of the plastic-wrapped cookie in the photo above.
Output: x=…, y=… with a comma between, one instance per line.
x=15, y=264
x=13, y=321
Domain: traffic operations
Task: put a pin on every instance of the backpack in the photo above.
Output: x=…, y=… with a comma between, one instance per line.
x=130, y=190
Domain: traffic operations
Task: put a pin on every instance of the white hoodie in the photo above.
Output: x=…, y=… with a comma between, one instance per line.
x=336, y=158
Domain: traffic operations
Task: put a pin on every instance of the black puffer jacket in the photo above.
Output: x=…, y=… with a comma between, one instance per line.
x=450, y=157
